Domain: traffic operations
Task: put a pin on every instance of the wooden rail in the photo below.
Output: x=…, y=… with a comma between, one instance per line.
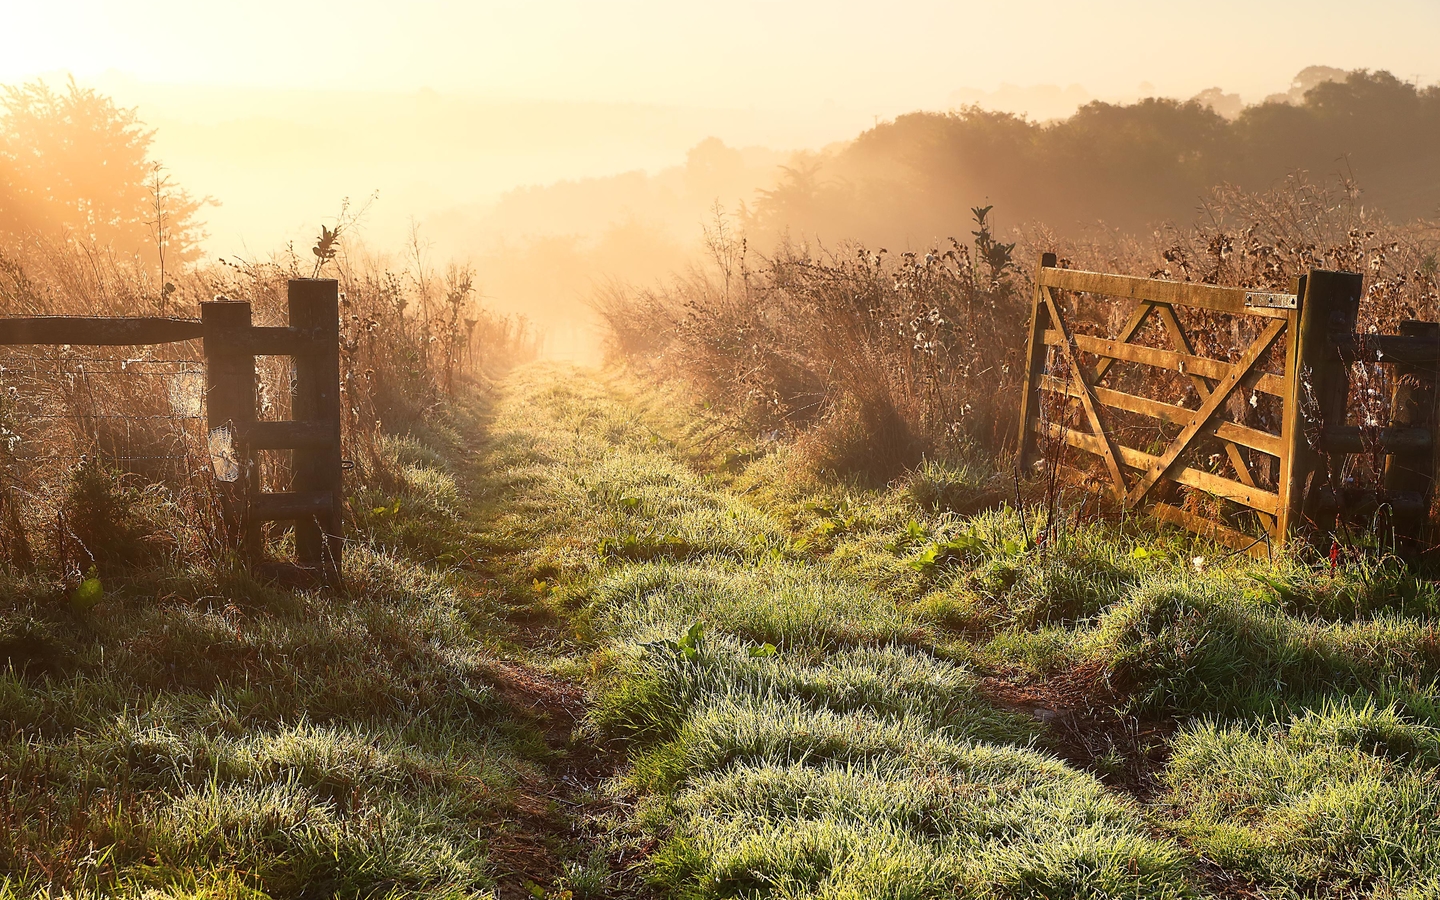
x=97, y=331
x=230, y=344
x=1315, y=329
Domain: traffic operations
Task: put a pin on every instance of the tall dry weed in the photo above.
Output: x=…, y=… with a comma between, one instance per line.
x=76, y=419
x=874, y=358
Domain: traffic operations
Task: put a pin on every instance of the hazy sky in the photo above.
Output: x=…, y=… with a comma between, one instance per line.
x=278, y=108
x=739, y=53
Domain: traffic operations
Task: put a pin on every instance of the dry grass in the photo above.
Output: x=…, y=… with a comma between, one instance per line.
x=883, y=358
x=94, y=434
x=876, y=360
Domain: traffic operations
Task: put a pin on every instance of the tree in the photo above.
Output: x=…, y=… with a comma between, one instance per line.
x=911, y=182
x=74, y=163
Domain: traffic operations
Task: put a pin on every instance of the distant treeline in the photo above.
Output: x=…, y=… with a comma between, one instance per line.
x=914, y=180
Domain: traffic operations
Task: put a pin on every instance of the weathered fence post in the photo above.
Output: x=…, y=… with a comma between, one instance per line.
x=1292, y=460
x=1035, y=351
x=1316, y=399
x=314, y=308
x=229, y=414
x=1297, y=457
x=1411, y=468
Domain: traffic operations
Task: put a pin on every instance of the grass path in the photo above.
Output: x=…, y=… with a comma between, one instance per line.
x=591, y=647
x=789, y=728
x=806, y=688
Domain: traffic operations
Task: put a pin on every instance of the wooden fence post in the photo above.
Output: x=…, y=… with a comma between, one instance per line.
x=229, y=413
x=1412, y=469
x=314, y=308
x=1294, y=462
x=1316, y=396
x=1035, y=351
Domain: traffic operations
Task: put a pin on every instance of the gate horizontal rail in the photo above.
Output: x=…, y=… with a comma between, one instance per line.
x=1312, y=330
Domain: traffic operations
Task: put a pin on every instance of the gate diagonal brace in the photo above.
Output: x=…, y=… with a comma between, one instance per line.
x=1203, y=387
x=1087, y=393
x=1207, y=410
x=1132, y=327
x=1201, y=384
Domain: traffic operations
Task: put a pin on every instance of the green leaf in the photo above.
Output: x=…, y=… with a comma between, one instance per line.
x=1282, y=590
x=690, y=644
x=88, y=594
x=926, y=559
x=664, y=645
x=762, y=651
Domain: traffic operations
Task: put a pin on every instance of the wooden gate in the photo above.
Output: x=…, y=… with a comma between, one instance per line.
x=231, y=343
x=1282, y=463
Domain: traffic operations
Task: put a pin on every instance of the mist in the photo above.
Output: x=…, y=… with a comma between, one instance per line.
x=558, y=190
x=631, y=449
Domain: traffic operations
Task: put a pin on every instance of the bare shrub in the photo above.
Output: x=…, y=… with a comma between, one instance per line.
x=880, y=359
x=73, y=419
x=874, y=360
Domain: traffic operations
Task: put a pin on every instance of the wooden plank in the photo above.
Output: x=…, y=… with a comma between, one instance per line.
x=1332, y=304
x=1175, y=415
x=1220, y=534
x=1222, y=392
x=230, y=395
x=1183, y=363
x=1255, y=498
x=98, y=331
x=1087, y=396
x=314, y=306
x=1202, y=385
x=1412, y=409
x=1407, y=349
x=285, y=505
x=1396, y=439
x=274, y=340
x=1034, y=364
x=1293, y=445
x=1365, y=501
x=289, y=435
x=1179, y=293
x=1132, y=325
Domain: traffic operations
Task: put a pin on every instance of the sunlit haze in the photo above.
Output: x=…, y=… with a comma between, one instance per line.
x=278, y=110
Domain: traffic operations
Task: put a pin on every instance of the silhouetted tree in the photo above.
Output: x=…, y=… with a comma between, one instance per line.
x=912, y=181
x=72, y=162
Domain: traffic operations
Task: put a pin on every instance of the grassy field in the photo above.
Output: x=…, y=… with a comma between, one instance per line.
x=191, y=732
x=827, y=691
x=591, y=645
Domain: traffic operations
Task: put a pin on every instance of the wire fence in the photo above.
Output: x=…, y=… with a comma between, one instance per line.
x=123, y=410
x=134, y=413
